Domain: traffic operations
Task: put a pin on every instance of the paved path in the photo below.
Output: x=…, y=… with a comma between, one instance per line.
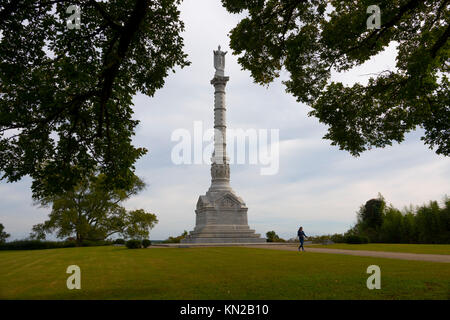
x=379, y=254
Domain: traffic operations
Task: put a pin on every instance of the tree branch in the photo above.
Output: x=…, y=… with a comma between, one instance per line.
x=440, y=42
x=114, y=58
x=106, y=15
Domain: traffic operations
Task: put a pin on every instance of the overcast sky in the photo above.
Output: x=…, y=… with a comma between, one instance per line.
x=317, y=185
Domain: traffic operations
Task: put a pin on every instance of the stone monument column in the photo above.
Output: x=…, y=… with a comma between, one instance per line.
x=220, y=169
x=221, y=216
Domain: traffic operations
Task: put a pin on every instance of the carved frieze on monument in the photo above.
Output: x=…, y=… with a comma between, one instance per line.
x=220, y=171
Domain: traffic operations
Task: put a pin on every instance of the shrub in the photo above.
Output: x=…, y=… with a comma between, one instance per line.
x=320, y=239
x=356, y=239
x=133, y=244
x=40, y=244
x=95, y=243
x=337, y=238
x=146, y=243
x=119, y=241
x=35, y=245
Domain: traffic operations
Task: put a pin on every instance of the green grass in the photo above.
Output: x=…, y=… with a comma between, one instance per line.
x=409, y=248
x=214, y=273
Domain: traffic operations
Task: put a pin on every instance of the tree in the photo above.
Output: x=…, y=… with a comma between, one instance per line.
x=3, y=235
x=176, y=239
x=433, y=223
x=391, y=227
x=66, y=93
x=370, y=218
x=273, y=237
x=309, y=39
x=408, y=228
x=372, y=212
x=92, y=211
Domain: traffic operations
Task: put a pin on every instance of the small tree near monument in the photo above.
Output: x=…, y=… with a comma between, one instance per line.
x=273, y=237
x=93, y=212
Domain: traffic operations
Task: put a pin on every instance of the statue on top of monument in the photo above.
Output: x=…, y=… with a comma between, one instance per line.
x=219, y=61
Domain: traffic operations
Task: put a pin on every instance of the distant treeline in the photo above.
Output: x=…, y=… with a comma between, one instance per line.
x=377, y=222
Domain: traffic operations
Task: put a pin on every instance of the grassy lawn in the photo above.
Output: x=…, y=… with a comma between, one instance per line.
x=410, y=248
x=214, y=273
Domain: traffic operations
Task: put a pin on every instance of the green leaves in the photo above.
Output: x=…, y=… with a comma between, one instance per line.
x=93, y=212
x=428, y=223
x=309, y=41
x=138, y=222
x=66, y=94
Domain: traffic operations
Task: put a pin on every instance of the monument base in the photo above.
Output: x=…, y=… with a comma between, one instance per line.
x=224, y=234
x=221, y=217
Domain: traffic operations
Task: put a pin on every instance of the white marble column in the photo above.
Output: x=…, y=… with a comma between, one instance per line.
x=220, y=214
x=220, y=169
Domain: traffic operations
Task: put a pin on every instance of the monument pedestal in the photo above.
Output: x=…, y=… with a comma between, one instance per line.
x=221, y=216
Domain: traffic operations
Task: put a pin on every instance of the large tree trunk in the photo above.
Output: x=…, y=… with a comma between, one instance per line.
x=79, y=239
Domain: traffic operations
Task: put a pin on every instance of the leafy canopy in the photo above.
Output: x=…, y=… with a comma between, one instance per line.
x=311, y=38
x=66, y=94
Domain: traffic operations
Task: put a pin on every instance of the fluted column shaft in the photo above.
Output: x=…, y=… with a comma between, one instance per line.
x=220, y=171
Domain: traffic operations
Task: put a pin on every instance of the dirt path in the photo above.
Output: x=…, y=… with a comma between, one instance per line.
x=379, y=254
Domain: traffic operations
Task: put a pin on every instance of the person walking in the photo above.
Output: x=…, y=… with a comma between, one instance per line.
x=301, y=236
